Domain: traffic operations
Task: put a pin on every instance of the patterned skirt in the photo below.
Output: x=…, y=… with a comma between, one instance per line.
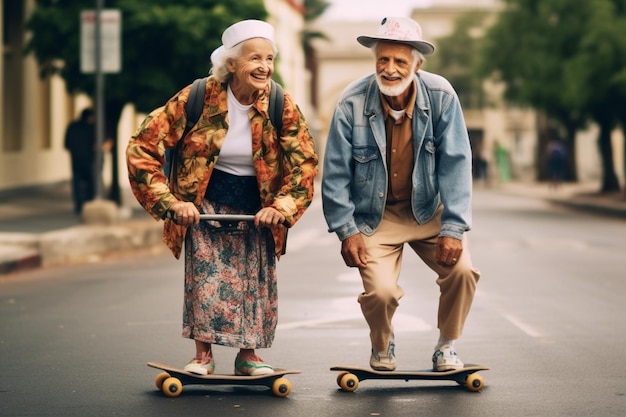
x=230, y=277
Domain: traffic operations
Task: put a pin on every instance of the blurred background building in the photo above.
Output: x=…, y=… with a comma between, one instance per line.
x=35, y=113
x=506, y=136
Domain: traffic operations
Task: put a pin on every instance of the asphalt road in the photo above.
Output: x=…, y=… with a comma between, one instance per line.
x=549, y=320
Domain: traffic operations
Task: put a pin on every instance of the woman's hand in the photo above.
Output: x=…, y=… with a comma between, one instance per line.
x=268, y=216
x=185, y=213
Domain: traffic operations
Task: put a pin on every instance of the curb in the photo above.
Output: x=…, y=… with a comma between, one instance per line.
x=591, y=207
x=19, y=260
x=75, y=244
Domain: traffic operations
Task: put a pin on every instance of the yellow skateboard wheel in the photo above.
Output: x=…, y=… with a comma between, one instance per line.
x=474, y=382
x=349, y=382
x=172, y=387
x=340, y=375
x=281, y=387
x=160, y=378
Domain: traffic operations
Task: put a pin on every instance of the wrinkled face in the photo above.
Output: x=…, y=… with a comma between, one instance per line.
x=395, y=67
x=253, y=69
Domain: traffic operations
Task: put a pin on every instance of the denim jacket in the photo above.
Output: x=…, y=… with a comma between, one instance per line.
x=354, y=185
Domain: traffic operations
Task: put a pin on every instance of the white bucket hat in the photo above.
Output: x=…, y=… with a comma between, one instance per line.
x=402, y=30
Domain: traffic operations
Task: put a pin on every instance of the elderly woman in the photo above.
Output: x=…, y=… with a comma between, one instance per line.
x=232, y=161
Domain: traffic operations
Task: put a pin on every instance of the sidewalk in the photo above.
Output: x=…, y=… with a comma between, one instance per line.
x=578, y=196
x=38, y=227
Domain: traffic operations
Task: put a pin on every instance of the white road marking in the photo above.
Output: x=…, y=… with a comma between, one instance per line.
x=525, y=327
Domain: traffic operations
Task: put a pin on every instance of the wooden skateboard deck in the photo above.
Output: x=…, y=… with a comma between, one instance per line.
x=349, y=376
x=171, y=381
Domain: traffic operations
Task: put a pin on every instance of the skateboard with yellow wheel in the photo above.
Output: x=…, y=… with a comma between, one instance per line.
x=349, y=377
x=172, y=379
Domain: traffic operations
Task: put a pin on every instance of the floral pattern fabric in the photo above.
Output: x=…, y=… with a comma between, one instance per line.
x=230, y=283
x=285, y=163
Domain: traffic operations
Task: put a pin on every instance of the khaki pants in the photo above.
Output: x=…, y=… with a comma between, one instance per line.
x=382, y=293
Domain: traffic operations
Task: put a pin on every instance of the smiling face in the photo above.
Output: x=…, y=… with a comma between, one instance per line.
x=395, y=67
x=252, y=70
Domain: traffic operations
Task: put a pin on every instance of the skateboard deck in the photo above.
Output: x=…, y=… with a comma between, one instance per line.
x=349, y=376
x=172, y=379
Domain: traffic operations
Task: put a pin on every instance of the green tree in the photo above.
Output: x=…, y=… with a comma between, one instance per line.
x=600, y=64
x=166, y=44
x=313, y=9
x=561, y=58
x=458, y=59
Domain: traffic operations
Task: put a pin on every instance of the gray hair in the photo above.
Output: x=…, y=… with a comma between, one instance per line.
x=220, y=67
x=418, y=57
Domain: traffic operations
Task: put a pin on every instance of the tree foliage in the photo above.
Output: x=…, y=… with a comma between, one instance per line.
x=459, y=59
x=166, y=44
x=313, y=9
x=566, y=59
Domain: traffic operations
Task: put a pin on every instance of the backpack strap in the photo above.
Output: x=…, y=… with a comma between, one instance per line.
x=193, y=109
x=194, y=105
x=277, y=102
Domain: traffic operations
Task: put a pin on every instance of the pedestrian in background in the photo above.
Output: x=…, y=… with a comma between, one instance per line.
x=557, y=162
x=232, y=161
x=80, y=141
x=397, y=169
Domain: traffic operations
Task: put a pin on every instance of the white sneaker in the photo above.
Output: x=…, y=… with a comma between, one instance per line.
x=446, y=359
x=384, y=361
x=201, y=365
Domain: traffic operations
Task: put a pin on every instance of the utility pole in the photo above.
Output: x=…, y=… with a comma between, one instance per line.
x=100, y=114
x=100, y=53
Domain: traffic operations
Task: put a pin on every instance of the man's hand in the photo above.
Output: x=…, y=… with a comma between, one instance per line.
x=449, y=250
x=353, y=251
x=185, y=213
x=268, y=216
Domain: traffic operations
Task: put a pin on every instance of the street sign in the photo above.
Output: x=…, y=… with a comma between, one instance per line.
x=110, y=42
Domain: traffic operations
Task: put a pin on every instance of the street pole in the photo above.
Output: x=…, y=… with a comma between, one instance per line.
x=100, y=114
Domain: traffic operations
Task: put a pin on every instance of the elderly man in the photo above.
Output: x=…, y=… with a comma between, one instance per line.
x=397, y=170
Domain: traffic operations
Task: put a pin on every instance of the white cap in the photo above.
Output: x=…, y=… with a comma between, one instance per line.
x=247, y=29
x=242, y=31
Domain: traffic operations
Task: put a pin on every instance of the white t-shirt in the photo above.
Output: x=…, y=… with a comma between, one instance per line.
x=236, y=153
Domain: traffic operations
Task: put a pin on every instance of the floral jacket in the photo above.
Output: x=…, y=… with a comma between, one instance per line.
x=285, y=168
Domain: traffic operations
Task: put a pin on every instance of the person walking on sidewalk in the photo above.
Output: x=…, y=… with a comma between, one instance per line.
x=233, y=161
x=557, y=162
x=397, y=169
x=80, y=141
